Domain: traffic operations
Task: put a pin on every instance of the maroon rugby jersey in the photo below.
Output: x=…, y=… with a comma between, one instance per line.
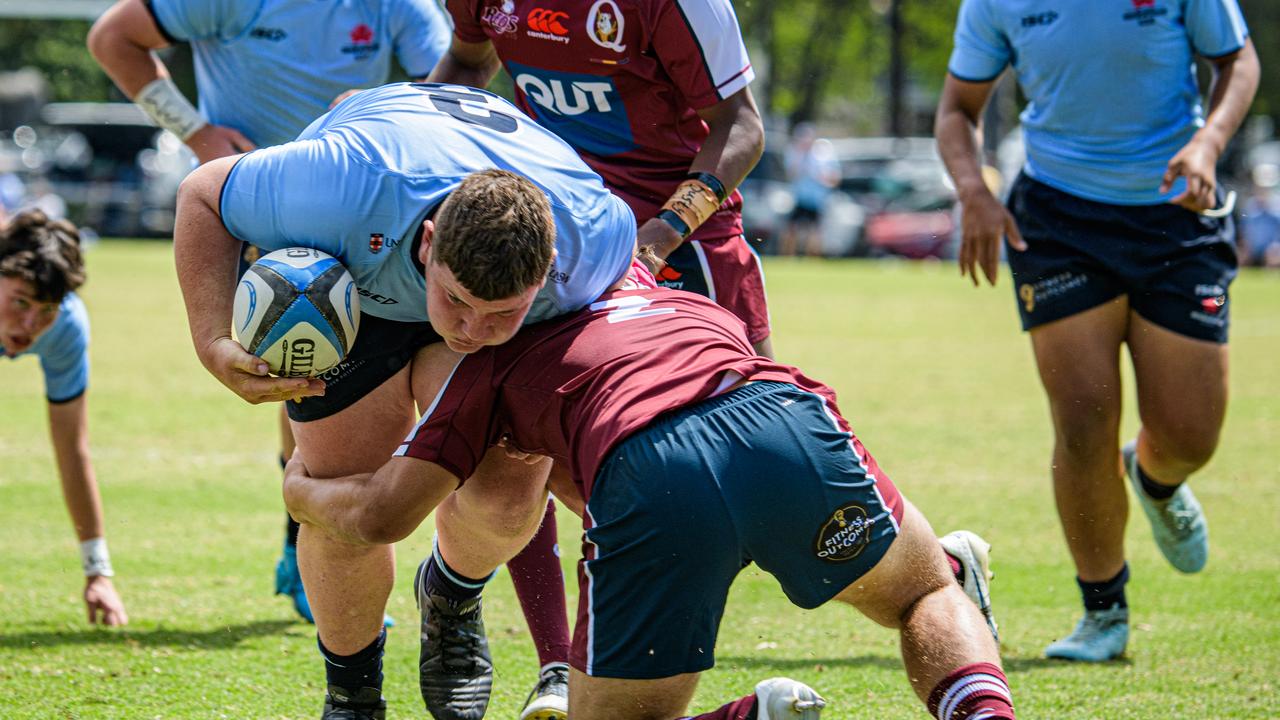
x=573, y=387
x=621, y=81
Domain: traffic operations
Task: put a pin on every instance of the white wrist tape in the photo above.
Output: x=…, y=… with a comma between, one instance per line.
x=163, y=102
x=95, y=558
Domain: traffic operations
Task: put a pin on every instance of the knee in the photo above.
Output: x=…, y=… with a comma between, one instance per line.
x=1186, y=444
x=1083, y=422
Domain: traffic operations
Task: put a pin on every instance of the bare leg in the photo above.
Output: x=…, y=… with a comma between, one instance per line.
x=348, y=585
x=492, y=516
x=912, y=589
x=1079, y=362
x=1182, y=399
x=593, y=698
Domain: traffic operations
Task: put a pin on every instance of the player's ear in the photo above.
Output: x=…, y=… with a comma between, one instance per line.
x=424, y=247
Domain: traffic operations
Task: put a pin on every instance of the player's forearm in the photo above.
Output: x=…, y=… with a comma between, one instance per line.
x=957, y=137
x=368, y=509
x=333, y=505
x=1235, y=83
x=734, y=144
x=455, y=71
x=205, y=255
x=68, y=430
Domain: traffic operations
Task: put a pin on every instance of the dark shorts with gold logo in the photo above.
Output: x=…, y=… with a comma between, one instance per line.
x=764, y=474
x=1176, y=266
x=381, y=349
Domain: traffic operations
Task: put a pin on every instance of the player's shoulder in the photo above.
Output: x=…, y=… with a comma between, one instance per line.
x=69, y=334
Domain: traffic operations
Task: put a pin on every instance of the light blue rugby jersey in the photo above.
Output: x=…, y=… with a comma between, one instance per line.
x=358, y=183
x=1111, y=83
x=269, y=67
x=63, y=350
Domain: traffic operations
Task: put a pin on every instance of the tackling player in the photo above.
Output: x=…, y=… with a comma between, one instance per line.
x=529, y=233
x=654, y=96
x=1114, y=240
x=694, y=457
x=264, y=70
x=41, y=315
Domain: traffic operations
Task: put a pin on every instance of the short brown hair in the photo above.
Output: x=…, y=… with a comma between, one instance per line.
x=44, y=252
x=496, y=235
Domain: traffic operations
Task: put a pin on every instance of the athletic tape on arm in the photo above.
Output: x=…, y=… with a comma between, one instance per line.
x=163, y=102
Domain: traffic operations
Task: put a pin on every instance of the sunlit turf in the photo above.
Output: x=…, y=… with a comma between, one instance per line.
x=934, y=376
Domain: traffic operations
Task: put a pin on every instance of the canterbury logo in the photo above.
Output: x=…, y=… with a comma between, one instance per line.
x=548, y=21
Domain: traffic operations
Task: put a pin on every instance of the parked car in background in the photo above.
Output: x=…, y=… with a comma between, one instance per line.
x=107, y=164
x=768, y=201
x=906, y=193
x=894, y=198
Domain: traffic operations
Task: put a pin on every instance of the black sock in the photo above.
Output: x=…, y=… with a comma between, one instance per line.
x=1156, y=490
x=443, y=580
x=290, y=531
x=352, y=672
x=1106, y=594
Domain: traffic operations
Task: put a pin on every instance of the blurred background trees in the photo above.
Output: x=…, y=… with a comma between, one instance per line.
x=870, y=66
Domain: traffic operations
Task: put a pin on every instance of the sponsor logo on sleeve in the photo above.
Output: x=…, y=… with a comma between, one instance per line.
x=605, y=25
x=547, y=24
x=501, y=18
x=844, y=535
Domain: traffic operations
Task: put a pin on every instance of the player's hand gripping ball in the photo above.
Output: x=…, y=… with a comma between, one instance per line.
x=298, y=310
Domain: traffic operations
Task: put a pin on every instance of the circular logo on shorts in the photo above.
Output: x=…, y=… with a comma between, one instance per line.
x=844, y=535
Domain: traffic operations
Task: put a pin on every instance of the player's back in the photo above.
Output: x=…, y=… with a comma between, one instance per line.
x=582, y=384
x=359, y=182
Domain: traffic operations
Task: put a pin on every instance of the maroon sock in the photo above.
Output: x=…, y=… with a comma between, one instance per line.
x=957, y=570
x=539, y=582
x=974, y=692
x=741, y=709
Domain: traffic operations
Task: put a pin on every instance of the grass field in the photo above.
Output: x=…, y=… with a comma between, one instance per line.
x=934, y=376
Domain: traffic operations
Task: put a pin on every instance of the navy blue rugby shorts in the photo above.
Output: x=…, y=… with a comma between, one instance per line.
x=1174, y=265
x=766, y=473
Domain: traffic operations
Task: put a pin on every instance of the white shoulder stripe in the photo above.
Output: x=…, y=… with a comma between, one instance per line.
x=714, y=27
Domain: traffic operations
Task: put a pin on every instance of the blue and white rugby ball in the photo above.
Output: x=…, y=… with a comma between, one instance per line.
x=298, y=310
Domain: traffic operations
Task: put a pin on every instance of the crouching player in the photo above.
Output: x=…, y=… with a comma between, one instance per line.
x=41, y=315
x=694, y=457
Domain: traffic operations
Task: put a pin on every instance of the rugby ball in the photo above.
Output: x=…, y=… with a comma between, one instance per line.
x=298, y=310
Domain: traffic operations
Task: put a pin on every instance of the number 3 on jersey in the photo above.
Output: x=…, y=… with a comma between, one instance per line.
x=631, y=307
x=468, y=105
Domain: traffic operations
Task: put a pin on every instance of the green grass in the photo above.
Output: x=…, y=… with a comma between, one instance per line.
x=934, y=376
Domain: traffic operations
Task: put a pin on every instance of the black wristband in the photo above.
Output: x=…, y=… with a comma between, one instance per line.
x=675, y=221
x=710, y=181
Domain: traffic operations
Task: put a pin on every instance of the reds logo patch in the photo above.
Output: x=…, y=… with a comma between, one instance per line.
x=501, y=19
x=375, y=243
